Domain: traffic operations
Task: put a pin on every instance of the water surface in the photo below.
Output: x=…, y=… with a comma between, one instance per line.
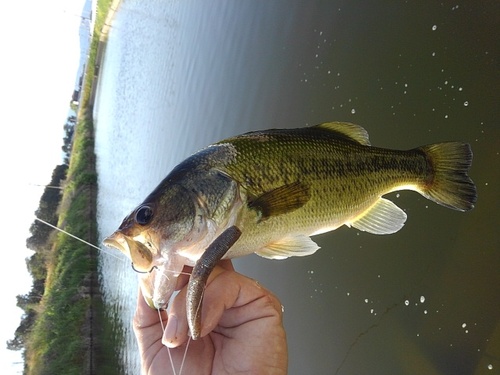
x=180, y=75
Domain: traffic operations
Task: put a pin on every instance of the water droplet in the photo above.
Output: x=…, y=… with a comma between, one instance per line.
x=490, y=367
x=466, y=103
x=366, y=300
x=422, y=299
x=353, y=111
x=407, y=303
x=464, y=325
x=434, y=27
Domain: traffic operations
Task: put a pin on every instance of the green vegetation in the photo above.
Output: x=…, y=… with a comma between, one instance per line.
x=65, y=329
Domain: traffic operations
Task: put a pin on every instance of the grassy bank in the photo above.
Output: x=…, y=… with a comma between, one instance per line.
x=71, y=334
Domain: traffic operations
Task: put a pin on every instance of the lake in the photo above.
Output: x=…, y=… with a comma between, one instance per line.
x=179, y=75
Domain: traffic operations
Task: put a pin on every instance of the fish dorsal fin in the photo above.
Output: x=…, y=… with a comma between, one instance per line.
x=298, y=245
x=384, y=217
x=347, y=130
x=281, y=200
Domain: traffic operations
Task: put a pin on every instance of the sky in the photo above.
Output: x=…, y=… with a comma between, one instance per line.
x=39, y=65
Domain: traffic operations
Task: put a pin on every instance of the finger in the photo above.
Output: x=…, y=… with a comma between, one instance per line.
x=226, y=264
x=147, y=326
x=183, y=277
x=145, y=316
x=232, y=299
x=176, y=330
x=253, y=302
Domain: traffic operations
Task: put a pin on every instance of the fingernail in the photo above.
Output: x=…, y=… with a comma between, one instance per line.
x=170, y=335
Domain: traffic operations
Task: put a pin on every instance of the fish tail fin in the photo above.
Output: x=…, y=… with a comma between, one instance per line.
x=449, y=184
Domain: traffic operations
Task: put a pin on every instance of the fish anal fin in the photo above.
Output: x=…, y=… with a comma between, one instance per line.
x=347, y=130
x=298, y=245
x=281, y=200
x=384, y=217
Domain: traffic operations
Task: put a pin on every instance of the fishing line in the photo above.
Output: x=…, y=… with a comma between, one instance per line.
x=79, y=239
x=185, y=355
x=163, y=328
x=164, y=274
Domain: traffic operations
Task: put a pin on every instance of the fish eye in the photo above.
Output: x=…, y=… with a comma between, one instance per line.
x=144, y=215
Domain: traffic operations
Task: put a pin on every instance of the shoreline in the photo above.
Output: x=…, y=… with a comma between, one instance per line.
x=96, y=318
x=101, y=49
x=70, y=330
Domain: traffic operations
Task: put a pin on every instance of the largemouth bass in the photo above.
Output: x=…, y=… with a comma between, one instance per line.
x=268, y=191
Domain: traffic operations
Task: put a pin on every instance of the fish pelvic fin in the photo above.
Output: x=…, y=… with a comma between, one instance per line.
x=297, y=245
x=384, y=217
x=449, y=185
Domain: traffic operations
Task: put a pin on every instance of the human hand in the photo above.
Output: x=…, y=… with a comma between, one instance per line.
x=242, y=330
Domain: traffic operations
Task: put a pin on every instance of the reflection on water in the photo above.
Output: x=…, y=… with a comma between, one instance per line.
x=180, y=75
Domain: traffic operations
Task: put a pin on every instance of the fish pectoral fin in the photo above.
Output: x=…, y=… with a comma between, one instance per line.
x=299, y=245
x=384, y=217
x=281, y=200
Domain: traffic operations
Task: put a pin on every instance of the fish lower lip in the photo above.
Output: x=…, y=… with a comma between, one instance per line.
x=146, y=289
x=113, y=241
x=161, y=307
x=158, y=286
x=151, y=304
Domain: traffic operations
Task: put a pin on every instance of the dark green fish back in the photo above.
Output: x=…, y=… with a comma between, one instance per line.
x=328, y=162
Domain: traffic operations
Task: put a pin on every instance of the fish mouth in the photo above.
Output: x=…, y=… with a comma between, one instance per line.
x=117, y=241
x=150, y=302
x=141, y=256
x=159, y=285
x=157, y=274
